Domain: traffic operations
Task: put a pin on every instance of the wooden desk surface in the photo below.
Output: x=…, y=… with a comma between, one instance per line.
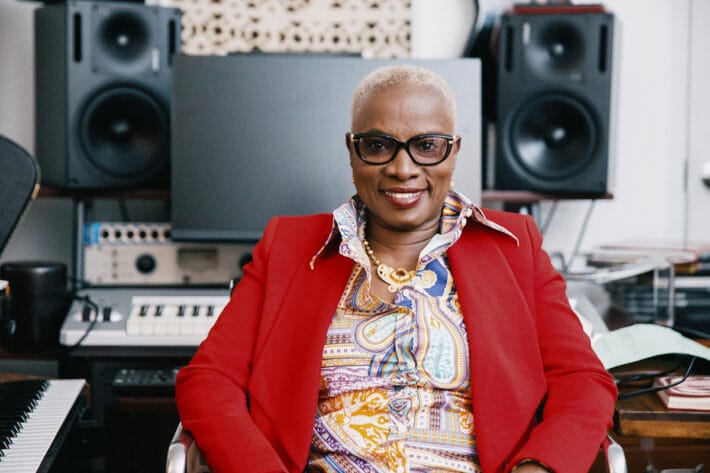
x=6, y=376
x=646, y=416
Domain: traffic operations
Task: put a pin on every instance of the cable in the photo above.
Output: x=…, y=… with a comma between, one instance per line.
x=91, y=306
x=124, y=210
x=582, y=232
x=550, y=214
x=692, y=332
x=654, y=389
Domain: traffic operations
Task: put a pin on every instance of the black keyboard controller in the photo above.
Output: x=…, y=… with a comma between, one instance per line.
x=145, y=381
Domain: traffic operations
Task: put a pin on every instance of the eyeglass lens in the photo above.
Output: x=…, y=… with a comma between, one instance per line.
x=424, y=149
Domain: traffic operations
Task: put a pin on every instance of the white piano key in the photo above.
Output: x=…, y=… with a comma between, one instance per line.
x=31, y=444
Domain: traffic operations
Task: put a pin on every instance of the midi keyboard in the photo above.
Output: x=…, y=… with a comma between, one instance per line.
x=142, y=317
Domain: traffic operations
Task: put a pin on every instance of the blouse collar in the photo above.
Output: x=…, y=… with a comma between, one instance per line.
x=350, y=218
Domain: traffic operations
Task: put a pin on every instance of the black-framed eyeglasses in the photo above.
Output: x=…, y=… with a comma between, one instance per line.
x=427, y=149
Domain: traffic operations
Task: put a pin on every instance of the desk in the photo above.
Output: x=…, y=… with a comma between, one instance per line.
x=648, y=432
x=651, y=434
x=646, y=416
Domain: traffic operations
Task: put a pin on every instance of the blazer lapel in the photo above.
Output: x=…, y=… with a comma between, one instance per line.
x=306, y=310
x=506, y=375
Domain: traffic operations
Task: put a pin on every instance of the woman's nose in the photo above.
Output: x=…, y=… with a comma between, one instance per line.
x=402, y=165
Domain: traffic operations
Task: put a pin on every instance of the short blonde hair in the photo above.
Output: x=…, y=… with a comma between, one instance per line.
x=388, y=77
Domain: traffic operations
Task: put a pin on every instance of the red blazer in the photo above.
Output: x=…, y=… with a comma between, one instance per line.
x=249, y=394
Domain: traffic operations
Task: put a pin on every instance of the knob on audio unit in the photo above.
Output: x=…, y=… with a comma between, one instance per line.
x=125, y=254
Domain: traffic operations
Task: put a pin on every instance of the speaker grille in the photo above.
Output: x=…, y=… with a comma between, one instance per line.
x=553, y=136
x=124, y=132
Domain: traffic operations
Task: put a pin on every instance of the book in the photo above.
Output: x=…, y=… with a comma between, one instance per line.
x=692, y=394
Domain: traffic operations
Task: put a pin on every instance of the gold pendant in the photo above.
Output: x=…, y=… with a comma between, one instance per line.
x=396, y=278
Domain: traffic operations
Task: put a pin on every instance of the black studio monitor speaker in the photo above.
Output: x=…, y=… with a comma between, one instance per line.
x=102, y=81
x=554, y=78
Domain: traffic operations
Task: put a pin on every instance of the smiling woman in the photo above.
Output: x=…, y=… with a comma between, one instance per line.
x=408, y=330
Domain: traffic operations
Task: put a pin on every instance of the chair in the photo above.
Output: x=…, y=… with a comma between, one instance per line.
x=19, y=182
x=184, y=457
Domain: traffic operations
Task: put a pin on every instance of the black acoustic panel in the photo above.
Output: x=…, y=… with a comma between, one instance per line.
x=103, y=86
x=553, y=102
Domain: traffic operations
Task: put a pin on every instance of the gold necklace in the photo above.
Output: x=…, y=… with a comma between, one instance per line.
x=396, y=278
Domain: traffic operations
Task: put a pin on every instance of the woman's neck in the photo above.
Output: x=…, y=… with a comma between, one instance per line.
x=399, y=249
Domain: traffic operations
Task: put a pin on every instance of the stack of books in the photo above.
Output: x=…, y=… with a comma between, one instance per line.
x=692, y=394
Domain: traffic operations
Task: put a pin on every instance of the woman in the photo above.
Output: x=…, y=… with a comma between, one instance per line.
x=407, y=331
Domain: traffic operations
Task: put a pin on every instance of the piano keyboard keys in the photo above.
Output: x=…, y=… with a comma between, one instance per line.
x=147, y=317
x=169, y=317
x=47, y=403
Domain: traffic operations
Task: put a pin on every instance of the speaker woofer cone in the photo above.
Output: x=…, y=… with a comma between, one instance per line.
x=553, y=136
x=124, y=36
x=124, y=132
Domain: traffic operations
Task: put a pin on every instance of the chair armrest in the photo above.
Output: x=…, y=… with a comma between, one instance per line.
x=177, y=451
x=183, y=454
x=614, y=458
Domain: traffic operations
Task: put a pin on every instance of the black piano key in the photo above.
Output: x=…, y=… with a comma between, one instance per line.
x=86, y=313
x=17, y=400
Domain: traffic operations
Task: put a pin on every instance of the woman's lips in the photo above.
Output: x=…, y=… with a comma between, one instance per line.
x=403, y=198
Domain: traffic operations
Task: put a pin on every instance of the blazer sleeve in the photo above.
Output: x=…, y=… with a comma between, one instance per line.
x=211, y=391
x=581, y=395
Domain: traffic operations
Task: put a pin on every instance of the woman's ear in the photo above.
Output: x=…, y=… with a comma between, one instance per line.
x=457, y=145
x=455, y=149
x=347, y=141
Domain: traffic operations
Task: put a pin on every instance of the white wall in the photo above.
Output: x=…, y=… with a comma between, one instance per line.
x=651, y=120
x=699, y=124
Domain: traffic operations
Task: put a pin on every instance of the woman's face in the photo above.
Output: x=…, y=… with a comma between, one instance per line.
x=402, y=195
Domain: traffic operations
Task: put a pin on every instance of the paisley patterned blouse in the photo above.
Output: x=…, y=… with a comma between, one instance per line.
x=394, y=391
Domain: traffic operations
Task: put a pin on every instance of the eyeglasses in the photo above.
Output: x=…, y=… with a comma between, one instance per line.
x=426, y=150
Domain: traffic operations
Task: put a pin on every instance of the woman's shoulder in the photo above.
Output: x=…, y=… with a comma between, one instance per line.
x=302, y=227
x=306, y=221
